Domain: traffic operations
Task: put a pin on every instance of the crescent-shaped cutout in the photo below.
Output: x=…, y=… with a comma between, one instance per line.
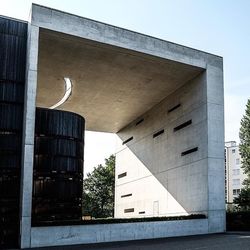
x=68, y=91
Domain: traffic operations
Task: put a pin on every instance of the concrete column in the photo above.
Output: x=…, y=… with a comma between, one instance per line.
x=216, y=171
x=28, y=137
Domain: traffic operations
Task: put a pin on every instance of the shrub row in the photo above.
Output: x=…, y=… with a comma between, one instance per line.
x=125, y=220
x=238, y=221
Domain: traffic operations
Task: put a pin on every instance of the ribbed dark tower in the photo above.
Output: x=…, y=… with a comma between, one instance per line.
x=58, y=153
x=58, y=167
x=13, y=36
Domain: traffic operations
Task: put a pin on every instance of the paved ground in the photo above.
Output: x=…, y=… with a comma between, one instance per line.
x=228, y=241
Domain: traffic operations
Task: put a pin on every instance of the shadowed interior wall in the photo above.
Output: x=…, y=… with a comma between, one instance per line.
x=13, y=36
x=58, y=166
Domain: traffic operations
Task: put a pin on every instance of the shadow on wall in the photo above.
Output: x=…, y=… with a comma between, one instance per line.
x=164, y=156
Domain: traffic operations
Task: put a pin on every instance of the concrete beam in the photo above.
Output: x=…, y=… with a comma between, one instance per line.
x=63, y=22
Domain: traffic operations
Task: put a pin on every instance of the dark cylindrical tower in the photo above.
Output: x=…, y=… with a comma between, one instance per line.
x=13, y=36
x=58, y=166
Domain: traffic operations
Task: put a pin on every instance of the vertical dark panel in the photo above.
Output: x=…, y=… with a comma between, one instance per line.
x=13, y=50
x=58, y=167
x=13, y=36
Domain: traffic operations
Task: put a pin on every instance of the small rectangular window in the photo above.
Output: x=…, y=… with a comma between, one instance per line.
x=129, y=210
x=128, y=140
x=183, y=125
x=158, y=133
x=189, y=151
x=126, y=195
x=122, y=175
x=233, y=151
x=142, y=212
x=236, y=191
x=139, y=122
x=237, y=161
x=173, y=108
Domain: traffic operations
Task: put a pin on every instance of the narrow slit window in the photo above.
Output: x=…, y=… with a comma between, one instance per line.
x=158, y=133
x=174, y=108
x=139, y=122
x=122, y=175
x=142, y=212
x=128, y=140
x=189, y=151
x=129, y=210
x=183, y=125
x=126, y=195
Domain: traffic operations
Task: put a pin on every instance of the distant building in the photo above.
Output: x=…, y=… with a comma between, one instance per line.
x=234, y=174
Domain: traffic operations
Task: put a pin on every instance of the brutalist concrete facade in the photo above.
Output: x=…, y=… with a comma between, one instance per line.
x=120, y=78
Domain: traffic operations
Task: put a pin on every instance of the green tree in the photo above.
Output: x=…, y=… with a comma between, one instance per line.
x=243, y=200
x=98, y=190
x=245, y=143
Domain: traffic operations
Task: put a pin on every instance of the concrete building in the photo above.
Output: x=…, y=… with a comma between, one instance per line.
x=163, y=100
x=234, y=174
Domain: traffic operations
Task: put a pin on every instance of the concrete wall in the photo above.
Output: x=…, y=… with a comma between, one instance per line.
x=28, y=135
x=70, y=235
x=157, y=174
x=193, y=183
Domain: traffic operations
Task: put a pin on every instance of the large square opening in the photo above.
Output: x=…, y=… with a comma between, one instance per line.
x=133, y=95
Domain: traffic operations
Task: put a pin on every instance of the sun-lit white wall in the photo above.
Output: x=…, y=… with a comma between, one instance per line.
x=162, y=181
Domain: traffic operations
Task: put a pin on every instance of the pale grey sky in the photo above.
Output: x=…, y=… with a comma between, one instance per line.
x=216, y=26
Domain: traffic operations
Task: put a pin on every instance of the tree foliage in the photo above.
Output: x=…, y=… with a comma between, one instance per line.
x=98, y=190
x=243, y=200
x=245, y=143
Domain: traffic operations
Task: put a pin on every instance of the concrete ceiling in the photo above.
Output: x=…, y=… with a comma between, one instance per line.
x=111, y=86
